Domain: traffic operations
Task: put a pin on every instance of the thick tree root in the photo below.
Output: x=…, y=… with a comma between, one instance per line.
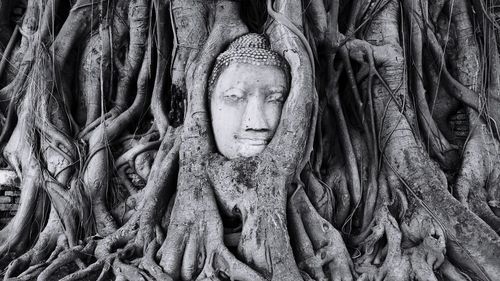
x=70, y=255
x=317, y=244
x=423, y=234
x=395, y=266
x=50, y=243
x=477, y=180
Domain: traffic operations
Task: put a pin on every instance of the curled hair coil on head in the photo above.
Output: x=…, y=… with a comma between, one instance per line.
x=251, y=48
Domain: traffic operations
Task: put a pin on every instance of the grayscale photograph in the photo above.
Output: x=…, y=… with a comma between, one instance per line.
x=250, y=140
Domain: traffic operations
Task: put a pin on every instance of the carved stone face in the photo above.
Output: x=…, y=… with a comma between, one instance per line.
x=245, y=106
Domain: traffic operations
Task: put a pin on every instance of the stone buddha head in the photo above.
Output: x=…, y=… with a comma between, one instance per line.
x=247, y=88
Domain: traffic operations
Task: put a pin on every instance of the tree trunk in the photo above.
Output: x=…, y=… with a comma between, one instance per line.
x=106, y=130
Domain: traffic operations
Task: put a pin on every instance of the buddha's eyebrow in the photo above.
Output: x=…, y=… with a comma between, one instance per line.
x=277, y=89
x=234, y=88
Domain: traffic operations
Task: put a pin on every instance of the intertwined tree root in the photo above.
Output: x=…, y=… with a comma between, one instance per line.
x=105, y=121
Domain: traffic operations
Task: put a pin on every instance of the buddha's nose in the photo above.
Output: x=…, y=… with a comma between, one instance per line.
x=254, y=118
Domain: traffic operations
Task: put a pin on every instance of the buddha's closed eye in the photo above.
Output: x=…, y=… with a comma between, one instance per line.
x=277, y=97
x=233, y=95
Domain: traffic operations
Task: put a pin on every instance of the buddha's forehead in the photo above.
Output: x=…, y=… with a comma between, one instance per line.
x=252, y=75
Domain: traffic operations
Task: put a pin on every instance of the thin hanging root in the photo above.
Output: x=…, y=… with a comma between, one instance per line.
x=353, y=170
x=350, y=158
x=17, y=84
x=441, y=148
x=344, y=53
x=47, y=19
x=371, y=190
x=376, y=188
x=455, y=88
x=341, y=194
x=8, y=49
x=354, y=182
x=319, y=151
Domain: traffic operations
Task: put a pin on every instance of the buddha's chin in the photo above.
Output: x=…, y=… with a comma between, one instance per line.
x=247, y=150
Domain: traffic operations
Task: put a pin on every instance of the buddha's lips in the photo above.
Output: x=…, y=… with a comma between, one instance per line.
x=254, y=141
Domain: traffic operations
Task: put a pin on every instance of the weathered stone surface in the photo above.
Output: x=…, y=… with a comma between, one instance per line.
x=8, y=178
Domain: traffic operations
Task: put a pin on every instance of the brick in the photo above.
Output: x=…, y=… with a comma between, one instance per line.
x=8, y=187
x=8, y=207
x=12, y=193
x=5, y=199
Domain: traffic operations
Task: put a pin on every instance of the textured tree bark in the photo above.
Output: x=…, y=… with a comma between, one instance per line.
x=106, y=126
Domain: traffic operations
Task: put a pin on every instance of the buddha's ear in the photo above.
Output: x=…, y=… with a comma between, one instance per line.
x=292, y=142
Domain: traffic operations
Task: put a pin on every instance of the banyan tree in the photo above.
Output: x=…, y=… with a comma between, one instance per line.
x=251, y=139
